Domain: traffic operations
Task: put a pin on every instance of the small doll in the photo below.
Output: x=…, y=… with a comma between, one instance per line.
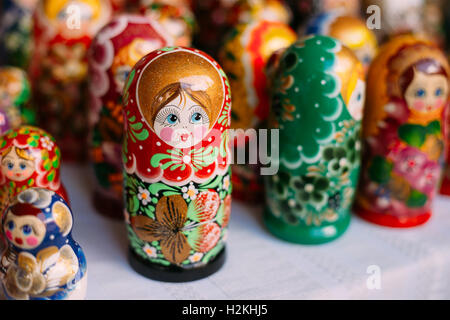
x=404, y=133
x=246, y=11
x=243, y=56
x=114, y=52
x=351, y=31
x=317, y=101
x=177, y=21
x=14, y=98
x=176, y=164
x=16, y=32
x=63, y=31
x=29, y=157
x=42, y=261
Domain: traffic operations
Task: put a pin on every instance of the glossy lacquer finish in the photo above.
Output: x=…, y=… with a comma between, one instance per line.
x=403, y=133
x=42, y=261
x=244, y=56
x=59, y=69
x=113, y=53
x=317, y=102
x=176, y=164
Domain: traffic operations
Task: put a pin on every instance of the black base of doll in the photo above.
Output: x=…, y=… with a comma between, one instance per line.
x=173, y=273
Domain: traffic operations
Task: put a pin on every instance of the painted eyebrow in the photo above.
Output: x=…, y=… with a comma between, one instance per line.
x=170, y=105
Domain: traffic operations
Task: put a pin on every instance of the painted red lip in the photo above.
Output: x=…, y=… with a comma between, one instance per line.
x=184, y=137
x=18, y=174
x=18, y=241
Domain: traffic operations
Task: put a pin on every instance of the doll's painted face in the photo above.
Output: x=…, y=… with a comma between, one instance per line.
x=356, y=103
x=26, y=232
x=182, y=122
x=17, y=164
x=427, y=92
x=10, y=86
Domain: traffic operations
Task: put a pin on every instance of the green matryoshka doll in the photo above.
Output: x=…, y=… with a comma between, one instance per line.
x=317, y=99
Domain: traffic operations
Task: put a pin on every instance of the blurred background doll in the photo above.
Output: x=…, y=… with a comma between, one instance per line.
x=113, y=54
x=403, y=133
x=16, y=32
x=63, y=32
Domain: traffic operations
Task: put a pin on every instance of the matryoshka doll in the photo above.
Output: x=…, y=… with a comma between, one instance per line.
x=113, y=53
x=350, y=31
x=178, y=21
x=245, y=11
x=14, y=96
x=29, y=157
x=403, y=133
x=16, y=32
x=244, y=55
x=317, y=100
x=176, y=164
x=42, y=260
x=63, y=32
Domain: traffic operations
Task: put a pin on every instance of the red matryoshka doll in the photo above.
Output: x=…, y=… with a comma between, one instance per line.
x=176, y=164
x=177, y=20
x=114, y=52
x=244, y=56
x=14, y=98
x=63, y=32
x=403, y=133
x=29, y=157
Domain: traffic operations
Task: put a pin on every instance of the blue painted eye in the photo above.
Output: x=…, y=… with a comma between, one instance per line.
x=438, y=92
x=23, y=166
x=196, y=117
x=359, y=97
x=420, y=93
x=172, y=119
x=26, y=229
x=10, y=165
x=11, y=225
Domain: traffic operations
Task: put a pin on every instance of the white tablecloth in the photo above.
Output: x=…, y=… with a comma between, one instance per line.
x=414, y=263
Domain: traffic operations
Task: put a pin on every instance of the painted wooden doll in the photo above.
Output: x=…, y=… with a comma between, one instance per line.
x=178, y=21
x=176, y=163
x=42, y=260
x=14, y=98
x=403, y=133
x=114, y=52
x=63, y=32
x=351, y=31
x=16, y=32
x=246, y=11
x=243, y=56
x=29, y=157
x=317, y=102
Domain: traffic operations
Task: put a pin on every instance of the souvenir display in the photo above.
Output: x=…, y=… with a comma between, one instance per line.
x=14, y=96
x=29, y=157
x=42, y=261
x=246, y=11
x=113, y=53
x=16, y=32
x=243, y=56
x=350, y=31
x=317, y=101
x=176, y=164
x=303, y=10
x=423, y=18
x=178, y=21
x=59, y=68
x=403, y=133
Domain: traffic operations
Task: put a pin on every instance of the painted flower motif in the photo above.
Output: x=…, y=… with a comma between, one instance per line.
x=167, y=228
x=311, y=189
x=409, y=163
x=209, y=236
x=189, y=192
x=196, y=257
x=144, y=196
x=226, y=183
x=429, y=177
x=47, y=143
x=205, y=206
x=150, y=251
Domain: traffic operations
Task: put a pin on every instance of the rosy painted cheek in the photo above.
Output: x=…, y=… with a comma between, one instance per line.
x=418, y=105
x=10, y=174
x=9, y=235
x=32, y=241
x=199, y=132
x=166, y=134
x=439, y=102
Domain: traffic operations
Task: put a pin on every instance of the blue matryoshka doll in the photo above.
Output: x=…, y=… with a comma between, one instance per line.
x=41, y=261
